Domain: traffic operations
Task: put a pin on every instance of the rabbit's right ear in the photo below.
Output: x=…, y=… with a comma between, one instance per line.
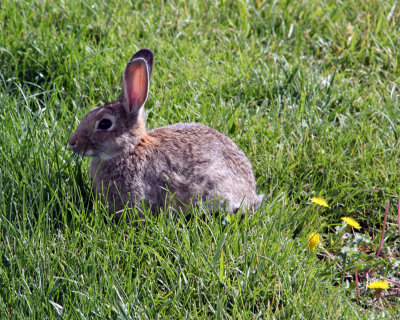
x=137, y=81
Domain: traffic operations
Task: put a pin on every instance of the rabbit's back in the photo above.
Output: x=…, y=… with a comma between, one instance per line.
x=205, y=152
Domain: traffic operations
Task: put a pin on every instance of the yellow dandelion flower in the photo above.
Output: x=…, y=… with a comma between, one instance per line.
x=319, y=201
x=352, y=223
x=313, y=240
x=379, y=285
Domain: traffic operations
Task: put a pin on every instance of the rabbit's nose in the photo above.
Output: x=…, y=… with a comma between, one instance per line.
x=72, y=141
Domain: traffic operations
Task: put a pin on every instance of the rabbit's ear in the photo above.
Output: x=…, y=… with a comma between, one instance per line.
x=136, y=81
x=147, y=55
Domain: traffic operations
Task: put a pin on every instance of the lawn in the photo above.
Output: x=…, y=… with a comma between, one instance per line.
x=309, y=90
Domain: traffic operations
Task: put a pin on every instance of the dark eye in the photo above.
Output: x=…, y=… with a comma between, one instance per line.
x=104, y=124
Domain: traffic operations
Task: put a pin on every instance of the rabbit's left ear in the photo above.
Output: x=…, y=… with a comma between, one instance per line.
x=136, y=81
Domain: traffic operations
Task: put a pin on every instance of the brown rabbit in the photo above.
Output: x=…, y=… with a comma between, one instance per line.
x=187, y=160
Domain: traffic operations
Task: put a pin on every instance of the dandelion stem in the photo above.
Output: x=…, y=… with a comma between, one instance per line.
x=358, y=288
x=392, y=281
x=383, y=229
x=392, y=295
x=337, y=265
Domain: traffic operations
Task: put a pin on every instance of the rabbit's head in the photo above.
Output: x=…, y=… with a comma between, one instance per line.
x=117, y=127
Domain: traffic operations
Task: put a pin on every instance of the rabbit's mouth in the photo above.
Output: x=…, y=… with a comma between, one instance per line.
x=87, y=150
x=81, y=149
x=84, y=152
x=81, y=145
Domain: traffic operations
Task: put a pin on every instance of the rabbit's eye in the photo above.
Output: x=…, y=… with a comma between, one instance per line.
x=104, y=124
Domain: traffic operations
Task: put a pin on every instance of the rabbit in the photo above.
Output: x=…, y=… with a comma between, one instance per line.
x=131, y=166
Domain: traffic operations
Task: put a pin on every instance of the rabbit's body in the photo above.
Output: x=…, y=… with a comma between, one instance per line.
x=184, y=162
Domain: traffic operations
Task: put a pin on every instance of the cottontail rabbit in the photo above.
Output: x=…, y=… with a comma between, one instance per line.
x=187, y=160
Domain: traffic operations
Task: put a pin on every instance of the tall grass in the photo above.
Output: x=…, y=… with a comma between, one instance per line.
x=308, y=89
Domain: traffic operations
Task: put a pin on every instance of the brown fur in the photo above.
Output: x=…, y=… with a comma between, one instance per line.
x=187, y=160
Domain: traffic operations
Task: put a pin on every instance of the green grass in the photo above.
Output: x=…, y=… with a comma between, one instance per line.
x=308, y=89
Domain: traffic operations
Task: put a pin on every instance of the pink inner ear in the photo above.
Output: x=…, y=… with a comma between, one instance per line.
x=136, y=85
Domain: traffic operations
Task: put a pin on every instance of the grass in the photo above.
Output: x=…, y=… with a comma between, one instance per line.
x=309, y=90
